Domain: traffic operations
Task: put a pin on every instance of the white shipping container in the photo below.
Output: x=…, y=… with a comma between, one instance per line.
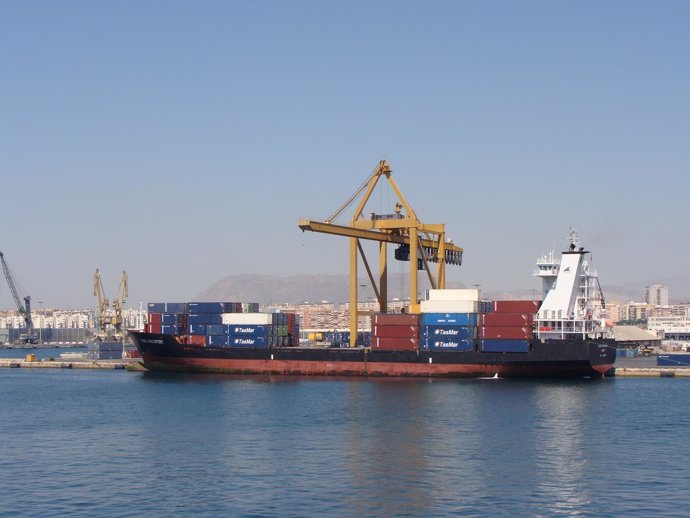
x=473, y=294
x=449, y=306
x=258, y=319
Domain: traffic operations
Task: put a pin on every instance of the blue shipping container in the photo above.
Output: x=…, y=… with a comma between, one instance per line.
x=205, y=318
x=156, y=307
x=249, y=330
x=446, y=319
x=175, y=307
x=504, y=345
x=205, y=307
x=447, y=344
x=169, y=329
x=217, y=341
x=216, y=329
x=168, y=318
x=197, y=329
x=248, y=341
x=455, y=332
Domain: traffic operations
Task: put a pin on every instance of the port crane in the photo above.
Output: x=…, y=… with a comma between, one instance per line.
x=418, y=243
x=107, y=321
x=24, y=310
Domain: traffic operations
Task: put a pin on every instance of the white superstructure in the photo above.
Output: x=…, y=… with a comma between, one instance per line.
x=573, y=305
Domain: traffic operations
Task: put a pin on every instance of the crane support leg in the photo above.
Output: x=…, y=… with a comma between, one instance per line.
x=383, y=278
x=354, y=313
x=414, y=301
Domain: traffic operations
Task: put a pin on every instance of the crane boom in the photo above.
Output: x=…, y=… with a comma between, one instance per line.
x=419, y=243
x=119, y=303
x=99, y=292
x=24, y=310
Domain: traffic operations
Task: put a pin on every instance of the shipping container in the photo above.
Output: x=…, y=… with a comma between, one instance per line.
x=506, y=319
x=394, y=319
x=485, y=306
x=154, y=328
x=449, y=306
x=249, y=330
x=467, y=294
x=217, y=341
x=390, y=331
x=205, y=307
x=249, y=341
x=512, y=333
x=105, y=354
x=168, y=329
x=196, y=329
x=247, y=318
x=395, y=344
x=447, y=344
x=168, y=318
x=504, y=346
x=204, y=318
x=232, y=307
x=445, y=319
x=175, y=307
x=155, y=318
x=457, y=332
x=156, y=307
x=216, y=329
x=516, y=306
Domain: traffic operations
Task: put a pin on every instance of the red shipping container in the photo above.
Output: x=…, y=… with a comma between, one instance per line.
x=512, y=332
x=395, y=344
x=155, y=318
x=154, y=328
x=395, y=331
x=394, y=319
x=506, y=319
x=516, y=306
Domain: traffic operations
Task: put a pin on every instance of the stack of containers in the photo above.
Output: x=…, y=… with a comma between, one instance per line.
x=398, y=331
x=223, y=324
x=201, y=316
x=448, y=319
x=162, y=317
x=247, y=330
x=292, y=330
x=509, y=326
x=448, y=331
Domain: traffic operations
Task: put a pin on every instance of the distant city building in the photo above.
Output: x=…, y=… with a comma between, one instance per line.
x=613, y=312
x=670, y=327
x=656, y=295
x=634, y=311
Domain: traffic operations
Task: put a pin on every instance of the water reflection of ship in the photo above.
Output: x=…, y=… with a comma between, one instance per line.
x=389, y=454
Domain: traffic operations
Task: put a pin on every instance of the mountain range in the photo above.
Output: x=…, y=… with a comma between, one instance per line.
x=271, y=289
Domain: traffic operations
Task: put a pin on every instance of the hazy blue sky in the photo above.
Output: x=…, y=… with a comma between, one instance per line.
x=182, y=141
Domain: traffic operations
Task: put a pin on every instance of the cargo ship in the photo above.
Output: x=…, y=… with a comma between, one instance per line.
x=456, y=334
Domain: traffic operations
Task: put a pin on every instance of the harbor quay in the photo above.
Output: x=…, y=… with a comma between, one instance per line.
x=50, y=363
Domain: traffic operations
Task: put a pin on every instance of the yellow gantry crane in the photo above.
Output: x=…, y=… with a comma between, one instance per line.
x=104, y=318
x=417, y=242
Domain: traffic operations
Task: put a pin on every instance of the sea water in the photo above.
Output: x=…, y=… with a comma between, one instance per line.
x=117, y=443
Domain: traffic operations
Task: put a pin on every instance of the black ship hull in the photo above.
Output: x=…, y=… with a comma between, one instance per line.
x=558, y=359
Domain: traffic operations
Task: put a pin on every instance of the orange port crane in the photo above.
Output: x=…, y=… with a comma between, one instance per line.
x=417, y=242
